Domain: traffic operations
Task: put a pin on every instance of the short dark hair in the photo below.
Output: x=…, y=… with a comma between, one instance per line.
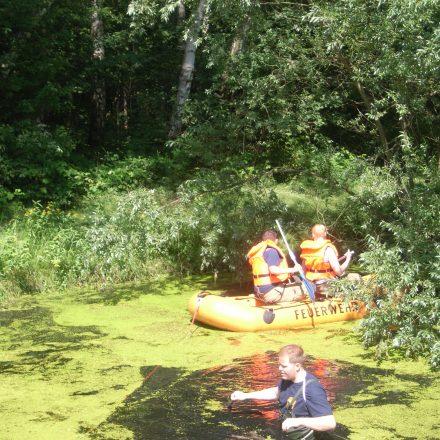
x=270, y=234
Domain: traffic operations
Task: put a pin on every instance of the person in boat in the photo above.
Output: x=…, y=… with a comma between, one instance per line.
x=320, y=260
x=303, y=403
x=271, y=272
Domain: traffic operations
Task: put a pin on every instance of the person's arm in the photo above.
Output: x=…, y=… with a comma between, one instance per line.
x=266, y=394
x=273, y=259
x=338, y=269
x=276, y=270
x=321, y=423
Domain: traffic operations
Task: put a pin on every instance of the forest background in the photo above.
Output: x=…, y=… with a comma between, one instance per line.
x=146, y=137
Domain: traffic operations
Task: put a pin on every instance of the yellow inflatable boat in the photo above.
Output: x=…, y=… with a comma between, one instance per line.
x=247, y=314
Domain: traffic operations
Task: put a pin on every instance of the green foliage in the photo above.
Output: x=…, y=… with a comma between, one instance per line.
x=121, y=174
x=139, y=234
x=269, y=99
x=403, y=253
x=230, y=217
x=42, y=62
x=387, y=49
x=37, y=162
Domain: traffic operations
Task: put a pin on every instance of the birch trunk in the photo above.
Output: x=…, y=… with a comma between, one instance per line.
x=181, y=13
x=187, y=70
x=180, y=20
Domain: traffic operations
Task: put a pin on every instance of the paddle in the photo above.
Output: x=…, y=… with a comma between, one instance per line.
x=306, y=282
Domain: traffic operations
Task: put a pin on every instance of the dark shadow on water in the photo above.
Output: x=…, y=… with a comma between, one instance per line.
x=52, y=343
x=7, y=317
x=112, y=294
x=85, y=393
x=175, y=404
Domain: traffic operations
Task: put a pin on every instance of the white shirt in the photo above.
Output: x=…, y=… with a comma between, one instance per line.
x=331, y=258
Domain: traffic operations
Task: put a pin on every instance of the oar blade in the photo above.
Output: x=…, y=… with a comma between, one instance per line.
x=309, y=287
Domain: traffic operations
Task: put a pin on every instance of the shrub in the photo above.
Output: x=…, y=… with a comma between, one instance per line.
x=37, y=162
x=400, y=207
x=139, y=234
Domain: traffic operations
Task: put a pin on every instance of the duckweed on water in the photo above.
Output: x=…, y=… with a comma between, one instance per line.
x=125, y=363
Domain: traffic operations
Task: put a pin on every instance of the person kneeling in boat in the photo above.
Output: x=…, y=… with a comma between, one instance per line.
x=320, y=260
x=271, y=272
x=303, y=403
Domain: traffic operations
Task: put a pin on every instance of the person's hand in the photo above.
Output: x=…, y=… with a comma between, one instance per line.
x=349, y=254
x=289, y=423
x=238, y=395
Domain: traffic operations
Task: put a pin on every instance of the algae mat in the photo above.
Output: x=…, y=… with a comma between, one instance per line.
x=125, y=363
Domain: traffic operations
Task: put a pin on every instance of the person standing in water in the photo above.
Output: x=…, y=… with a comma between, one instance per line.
x=302, y=400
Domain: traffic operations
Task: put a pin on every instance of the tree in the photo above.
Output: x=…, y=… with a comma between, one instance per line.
x=98, y=106
x=187, y=69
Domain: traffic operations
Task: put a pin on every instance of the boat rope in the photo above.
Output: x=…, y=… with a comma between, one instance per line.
x=311, y=315
x=147, y=377
x=200, y=296
x=199, y=299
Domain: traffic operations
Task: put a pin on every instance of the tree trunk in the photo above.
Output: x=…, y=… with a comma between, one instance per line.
x=181, y=13
x=98, y=103
x=240, y=39
x=186, y=73
x=379, y=126
x=236, y=48
x=180, y=20
x=126, y=94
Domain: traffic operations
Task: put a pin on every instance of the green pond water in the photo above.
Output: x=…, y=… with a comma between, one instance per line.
x=124, y=362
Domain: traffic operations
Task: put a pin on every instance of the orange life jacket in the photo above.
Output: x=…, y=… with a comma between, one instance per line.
x=312, y=254
x=260, y=269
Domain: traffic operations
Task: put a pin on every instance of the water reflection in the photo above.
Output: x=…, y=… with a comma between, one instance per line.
x=174, y=404
x=261, y=371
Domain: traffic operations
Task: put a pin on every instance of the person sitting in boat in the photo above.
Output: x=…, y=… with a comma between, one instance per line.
x=302, y=400
x=271, y=272
x=320, y=259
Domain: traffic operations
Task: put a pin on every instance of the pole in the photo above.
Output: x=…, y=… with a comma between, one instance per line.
x=306, y=282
